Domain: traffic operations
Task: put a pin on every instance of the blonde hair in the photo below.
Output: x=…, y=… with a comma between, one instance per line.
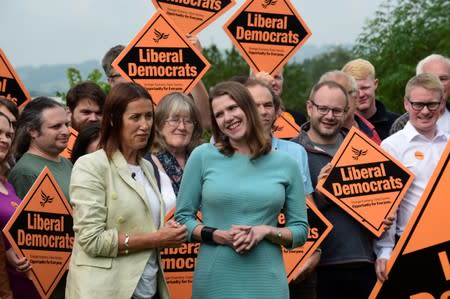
x=359, y=68
x=427, y=81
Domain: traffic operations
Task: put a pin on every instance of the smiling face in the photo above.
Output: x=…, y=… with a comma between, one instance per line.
x=230, y=119
x=52, y=137
x=6, y=133
x=424, y=120
x=137, y=123
x=326, y=127
x=177, y=131
x=352, y=98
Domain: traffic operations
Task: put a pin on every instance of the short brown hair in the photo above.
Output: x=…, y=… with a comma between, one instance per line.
x=175, y=103
x=10, y=106
x=330, y=85
x=427, y=81
x=116, y=104
x=257, y=139
x=86, y=89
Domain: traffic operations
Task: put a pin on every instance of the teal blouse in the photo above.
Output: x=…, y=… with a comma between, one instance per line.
x=238, y=190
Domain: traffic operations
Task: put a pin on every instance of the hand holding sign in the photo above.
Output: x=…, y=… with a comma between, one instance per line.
x=365, y=181
x=18, y=263
x=324, y=172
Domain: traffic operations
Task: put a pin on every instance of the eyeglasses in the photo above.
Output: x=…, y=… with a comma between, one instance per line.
x=175, y=122
x=337, y=112
x=444, y=78
x=418, y=106
x=114, y=76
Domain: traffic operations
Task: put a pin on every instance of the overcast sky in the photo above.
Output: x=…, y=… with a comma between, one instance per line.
x=63, y=31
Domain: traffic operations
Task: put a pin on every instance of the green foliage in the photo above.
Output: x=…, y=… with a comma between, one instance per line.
x=297, y=83
x=299, y=78
x=401, y=34
x=224, y=65
x=334, y=59
x=74, y=77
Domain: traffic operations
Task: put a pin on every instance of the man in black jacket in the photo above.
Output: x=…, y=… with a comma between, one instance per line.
x=346, y=267
x=367, y=105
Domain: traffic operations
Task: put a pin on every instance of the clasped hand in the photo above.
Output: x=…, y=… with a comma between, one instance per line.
x=172, y=234
x=244, y=237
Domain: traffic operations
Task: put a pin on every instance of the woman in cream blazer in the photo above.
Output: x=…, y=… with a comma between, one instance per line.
x=118, y=210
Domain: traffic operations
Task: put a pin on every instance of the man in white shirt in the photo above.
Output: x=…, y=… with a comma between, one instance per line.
x=440, y=66
x=419, y=146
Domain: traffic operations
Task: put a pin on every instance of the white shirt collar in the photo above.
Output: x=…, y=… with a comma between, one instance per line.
x=411, y=133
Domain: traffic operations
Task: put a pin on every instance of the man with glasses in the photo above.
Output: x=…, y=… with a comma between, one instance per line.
x=353, y=118
x=346, y=267
x=113, y=76
x=419, y=146
x=440, y=66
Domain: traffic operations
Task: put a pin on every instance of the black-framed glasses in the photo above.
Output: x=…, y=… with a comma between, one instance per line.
x=175, y=122
x=444, y=78
x=418, y=106
x=323, y=110
x=114, y=76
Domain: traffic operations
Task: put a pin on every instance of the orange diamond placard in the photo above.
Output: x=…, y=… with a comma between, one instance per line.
x=11, y=87
x=178, y=264
x=285, y=126
x=366, y=181
x=161, y=59
x=193, y=16
x=319, y=228
x=41, y=230
x=267, y=33
x=67, y=153
x=419, y=267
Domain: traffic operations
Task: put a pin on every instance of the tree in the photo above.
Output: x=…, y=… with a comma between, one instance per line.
x=74, y=77
x=401, y=34
x=297, y=84
x=224, y=65
x=299, y=78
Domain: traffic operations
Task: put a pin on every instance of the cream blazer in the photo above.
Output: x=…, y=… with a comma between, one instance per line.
x=106, y=200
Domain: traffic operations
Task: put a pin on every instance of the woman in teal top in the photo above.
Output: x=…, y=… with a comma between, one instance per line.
x=240, y=185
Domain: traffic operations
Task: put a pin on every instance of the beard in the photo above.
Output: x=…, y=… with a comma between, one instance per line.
x=326, y=133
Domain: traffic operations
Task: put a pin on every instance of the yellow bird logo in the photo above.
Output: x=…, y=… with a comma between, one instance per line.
x=159, y=36
x=266, y=3
x=45, y=199
x=358, y=153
